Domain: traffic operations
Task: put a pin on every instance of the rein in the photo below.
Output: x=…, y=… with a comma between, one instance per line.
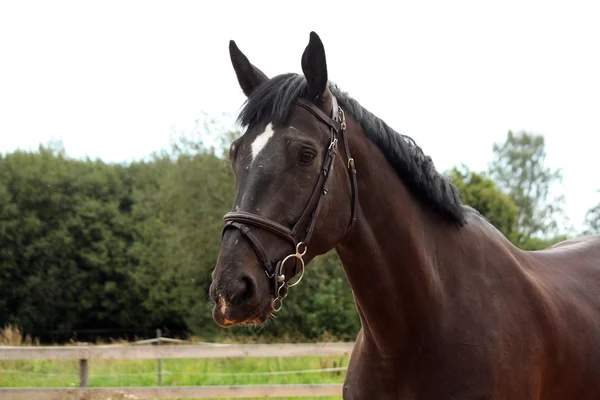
x=241, y=219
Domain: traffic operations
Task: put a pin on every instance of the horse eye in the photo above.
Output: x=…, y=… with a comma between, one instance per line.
x=306, y=157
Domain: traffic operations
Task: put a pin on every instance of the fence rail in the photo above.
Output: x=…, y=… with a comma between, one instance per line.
x=119, y=352
x=172, y=392
x=115, y=352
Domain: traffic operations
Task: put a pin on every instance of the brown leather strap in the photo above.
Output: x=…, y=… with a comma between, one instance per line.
x=263, y=222
x=337, y=127
x=320, y=114
x=258, y=248
x=327, y=172
x=353, y=184
x=319, y=190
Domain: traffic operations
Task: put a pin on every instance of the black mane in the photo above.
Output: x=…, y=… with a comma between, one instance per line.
x=274, y=100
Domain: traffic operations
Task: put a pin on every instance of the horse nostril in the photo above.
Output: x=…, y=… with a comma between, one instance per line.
x=244, y=289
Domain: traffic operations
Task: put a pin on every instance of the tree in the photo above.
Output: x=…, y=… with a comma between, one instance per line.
x=322, y=305
x=592, y=220
x=480, y=192
x=64, y=239
x=519, y=171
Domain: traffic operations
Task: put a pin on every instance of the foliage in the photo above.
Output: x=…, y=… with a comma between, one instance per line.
x=592, y=220
x=518, y=169
x=536, y=243
x=321, y=306
x=64, y=240
x=178, y=237
x=480, y=192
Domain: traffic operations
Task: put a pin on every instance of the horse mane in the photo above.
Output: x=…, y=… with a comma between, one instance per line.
x=273, y=101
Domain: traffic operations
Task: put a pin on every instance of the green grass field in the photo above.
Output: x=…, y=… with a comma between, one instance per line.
x=175, y=372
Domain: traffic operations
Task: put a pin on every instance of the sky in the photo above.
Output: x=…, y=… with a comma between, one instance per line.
x=116, y=79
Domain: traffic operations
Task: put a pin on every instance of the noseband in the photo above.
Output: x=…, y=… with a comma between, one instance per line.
x=240, y=219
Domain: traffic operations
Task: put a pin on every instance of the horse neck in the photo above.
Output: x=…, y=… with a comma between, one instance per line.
x=390, y=255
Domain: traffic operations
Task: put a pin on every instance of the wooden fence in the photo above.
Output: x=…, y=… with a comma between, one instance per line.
x=114, y=352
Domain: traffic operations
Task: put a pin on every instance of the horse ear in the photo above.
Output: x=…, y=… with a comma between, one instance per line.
x=249, y=77
x=314, y=66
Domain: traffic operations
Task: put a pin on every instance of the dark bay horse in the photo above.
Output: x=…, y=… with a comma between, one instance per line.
x=450, y=309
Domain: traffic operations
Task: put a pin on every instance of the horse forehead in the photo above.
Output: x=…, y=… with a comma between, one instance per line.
x=259, y=142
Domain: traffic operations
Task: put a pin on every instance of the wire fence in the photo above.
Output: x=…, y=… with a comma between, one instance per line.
x=241, y=373
x=207, y=370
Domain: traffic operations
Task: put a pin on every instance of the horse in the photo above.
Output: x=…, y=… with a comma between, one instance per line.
x=449, y=308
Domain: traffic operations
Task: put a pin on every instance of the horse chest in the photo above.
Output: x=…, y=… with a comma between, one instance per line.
x=416, y=376
x=365, y=380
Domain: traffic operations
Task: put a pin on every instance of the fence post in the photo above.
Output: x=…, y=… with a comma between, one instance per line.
x=83, y=373
x=158, y=336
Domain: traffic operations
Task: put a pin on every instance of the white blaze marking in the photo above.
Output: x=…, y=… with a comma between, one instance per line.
x=261, y=140
x=223, y=306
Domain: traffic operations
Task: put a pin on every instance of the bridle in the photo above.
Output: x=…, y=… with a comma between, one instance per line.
x=240, y=219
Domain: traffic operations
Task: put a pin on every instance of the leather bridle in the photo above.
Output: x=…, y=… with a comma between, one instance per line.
x=241, y=219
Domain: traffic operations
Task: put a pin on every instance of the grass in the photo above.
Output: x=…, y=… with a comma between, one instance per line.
x=176, y=372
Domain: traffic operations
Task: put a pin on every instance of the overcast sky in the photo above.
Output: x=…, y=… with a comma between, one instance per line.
x=111, y=79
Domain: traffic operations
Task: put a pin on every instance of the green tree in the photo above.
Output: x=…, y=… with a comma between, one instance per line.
x=322, y=305
x=64, y=239
x=480, y=192
x=592, y=220
x=518, y=169
x=178, y=234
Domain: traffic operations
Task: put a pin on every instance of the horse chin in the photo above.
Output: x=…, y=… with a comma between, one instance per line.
x=260, y=317
x=226, y=321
